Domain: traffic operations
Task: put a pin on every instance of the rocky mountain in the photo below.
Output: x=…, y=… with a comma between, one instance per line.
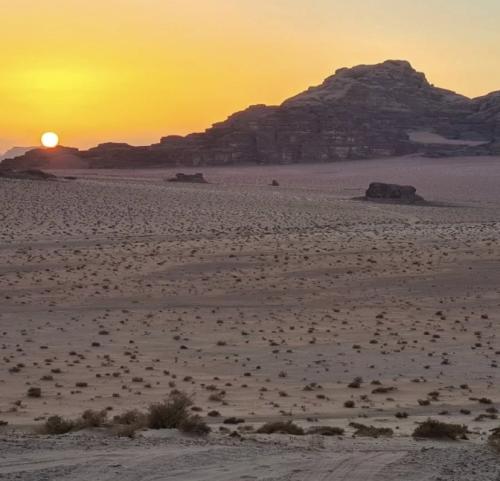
x=15, y=152
x=367, y=111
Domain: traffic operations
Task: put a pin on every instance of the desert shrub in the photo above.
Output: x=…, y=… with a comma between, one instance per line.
x=92, y=419
x=171, y=413
x=325, y=431
x=56, y=425
x=383, y=390
x=485, y=400
x=356, y=383
x=371, y=431
x=494, y=439
x=194, y=425
x=349, y=404
x=217, y=397
x=281, y=427
x=34, y=392
x=125, y=430
x=131, y=418
x=127, y=424
x=234, y=420
x=174, y=414
x=433, y=429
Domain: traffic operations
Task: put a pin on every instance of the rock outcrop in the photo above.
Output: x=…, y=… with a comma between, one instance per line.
x=362, y=112
x=406, y=194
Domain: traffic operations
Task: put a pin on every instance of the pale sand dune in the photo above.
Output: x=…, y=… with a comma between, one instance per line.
x=276, y=298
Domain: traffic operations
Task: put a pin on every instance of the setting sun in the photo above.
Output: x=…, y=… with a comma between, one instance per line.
x=50, y=140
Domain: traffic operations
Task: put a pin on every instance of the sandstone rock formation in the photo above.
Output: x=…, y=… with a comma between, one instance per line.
x=406, y=194
x=363, y=112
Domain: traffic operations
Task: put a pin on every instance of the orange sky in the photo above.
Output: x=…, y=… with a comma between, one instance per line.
x=135, y=70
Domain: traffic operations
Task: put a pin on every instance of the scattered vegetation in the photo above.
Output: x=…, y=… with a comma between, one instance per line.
x=172, y=414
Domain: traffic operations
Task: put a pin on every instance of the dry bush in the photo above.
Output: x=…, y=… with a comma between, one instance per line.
x=234, y=420
x=194, y=425
x=171, y=413
x=34, y=392
x=281, y=427
x=371, y=431
x=133, y=417
x=494, y=439
x=325, y=431
x=356, y=383
x=125, y=430
x=92, y=419
x=56, y=425
x=433, y=429
x=174, y=414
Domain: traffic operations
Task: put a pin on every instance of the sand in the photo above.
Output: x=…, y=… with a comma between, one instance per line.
x=118, y=287
x=97, y=457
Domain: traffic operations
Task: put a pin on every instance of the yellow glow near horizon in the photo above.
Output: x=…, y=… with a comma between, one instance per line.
x=50, y=140
x=136, y=70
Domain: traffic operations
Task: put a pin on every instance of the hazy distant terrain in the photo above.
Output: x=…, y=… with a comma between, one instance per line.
x=274, y=298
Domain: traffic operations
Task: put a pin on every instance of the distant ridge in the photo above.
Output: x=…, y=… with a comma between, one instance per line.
x=15, y=152
x=368, y=111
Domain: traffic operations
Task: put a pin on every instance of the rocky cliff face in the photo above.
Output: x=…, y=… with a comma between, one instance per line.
x=363, y=112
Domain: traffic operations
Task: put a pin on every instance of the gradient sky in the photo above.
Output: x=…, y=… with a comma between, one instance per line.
x=135, y=70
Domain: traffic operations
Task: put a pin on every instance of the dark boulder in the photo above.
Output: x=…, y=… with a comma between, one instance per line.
x=392, y=192
x=189, y=178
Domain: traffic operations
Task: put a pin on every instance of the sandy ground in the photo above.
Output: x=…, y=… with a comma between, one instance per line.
x=118, y=287
x=84, y=457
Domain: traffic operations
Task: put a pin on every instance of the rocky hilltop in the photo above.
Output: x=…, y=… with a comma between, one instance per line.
x=367, y=111
x=15, y=152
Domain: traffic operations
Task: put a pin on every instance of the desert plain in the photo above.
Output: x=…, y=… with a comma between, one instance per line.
x=298, y=302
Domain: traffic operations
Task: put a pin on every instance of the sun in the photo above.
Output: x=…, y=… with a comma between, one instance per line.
x=50, y=140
